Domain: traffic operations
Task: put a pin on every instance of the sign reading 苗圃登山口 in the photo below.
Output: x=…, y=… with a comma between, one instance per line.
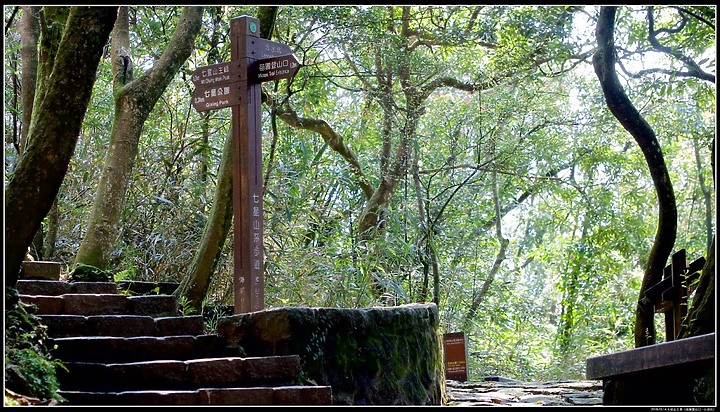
x=274, y=68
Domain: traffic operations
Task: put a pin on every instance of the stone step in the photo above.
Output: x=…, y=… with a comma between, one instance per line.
x=112, y=349
x=63, y=326
x=185, y=375
x=41, y=269
x=127, y=344
x=103, y=304
x=279, y=395
x=56, y=288
x=147, y=288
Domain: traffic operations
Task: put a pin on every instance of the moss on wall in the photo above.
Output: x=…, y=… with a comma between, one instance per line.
x=373, y=356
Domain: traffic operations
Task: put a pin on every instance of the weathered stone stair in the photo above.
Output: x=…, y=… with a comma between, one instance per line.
x=121, y=349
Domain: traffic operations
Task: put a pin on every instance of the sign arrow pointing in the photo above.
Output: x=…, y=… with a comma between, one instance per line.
x=274, y=68
x=216, y=96
x=260, y=48
x=217, y=74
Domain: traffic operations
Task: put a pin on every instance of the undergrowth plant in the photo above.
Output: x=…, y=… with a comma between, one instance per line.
x=29, y=367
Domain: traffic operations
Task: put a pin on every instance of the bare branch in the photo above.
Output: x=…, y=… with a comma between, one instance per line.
x=695, y=70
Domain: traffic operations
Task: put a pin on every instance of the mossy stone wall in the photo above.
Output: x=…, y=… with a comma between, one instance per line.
x=372, y=356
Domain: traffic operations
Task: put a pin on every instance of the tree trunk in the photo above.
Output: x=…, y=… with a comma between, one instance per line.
x=621, y=107
x=29, y=33
x=701, y=315
x=58, y=118
x=53, y=223
x=478, y=296
x=52, y=22
x=701, y=318
x=29, y=36
x=195, y=284
x=216, y=14
x=706, y=192
x=133, y=103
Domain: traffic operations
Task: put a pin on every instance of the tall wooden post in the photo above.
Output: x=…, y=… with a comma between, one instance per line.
x=236, y=84
x=247, y=173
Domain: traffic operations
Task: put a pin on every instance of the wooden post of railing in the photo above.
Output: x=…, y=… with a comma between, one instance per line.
x=670, y=295
x=675, y=296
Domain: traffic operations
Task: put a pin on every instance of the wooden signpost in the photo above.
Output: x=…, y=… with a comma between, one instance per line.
x=236, y=84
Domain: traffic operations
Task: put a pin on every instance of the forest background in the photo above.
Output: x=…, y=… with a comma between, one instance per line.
x=459, y=155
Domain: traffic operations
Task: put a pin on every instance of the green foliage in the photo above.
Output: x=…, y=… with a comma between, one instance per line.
x=29, y=368
x=186, y=308
x=127, y=274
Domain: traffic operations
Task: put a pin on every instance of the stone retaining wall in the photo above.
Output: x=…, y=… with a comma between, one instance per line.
x=373, y=356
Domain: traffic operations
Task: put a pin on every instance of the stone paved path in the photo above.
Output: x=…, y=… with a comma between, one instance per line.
x=515, y=393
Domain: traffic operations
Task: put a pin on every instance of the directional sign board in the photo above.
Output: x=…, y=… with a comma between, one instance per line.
x=265, y=49
x=274, y=68
x=216, y=74
x=216, y=97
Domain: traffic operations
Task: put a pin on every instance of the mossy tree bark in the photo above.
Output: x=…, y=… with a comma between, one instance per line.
x=194, y=286
x=622, y=108
x=134, y=100
x=57, y=121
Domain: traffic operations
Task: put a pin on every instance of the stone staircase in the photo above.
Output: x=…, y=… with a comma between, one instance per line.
x=121, y=349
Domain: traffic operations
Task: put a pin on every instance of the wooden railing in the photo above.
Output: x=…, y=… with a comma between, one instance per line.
x=665, y=373
x=670, y=295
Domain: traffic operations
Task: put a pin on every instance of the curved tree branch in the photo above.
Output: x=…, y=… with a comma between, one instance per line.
x=623, y=109
x=695, y=70
x=333, y=139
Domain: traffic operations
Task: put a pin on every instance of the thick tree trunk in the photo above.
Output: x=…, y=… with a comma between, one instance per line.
x=621, y=107
x=29, y=37
x=195, y=284
x=133, y=104
x=52, y=22
x=34, y=185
